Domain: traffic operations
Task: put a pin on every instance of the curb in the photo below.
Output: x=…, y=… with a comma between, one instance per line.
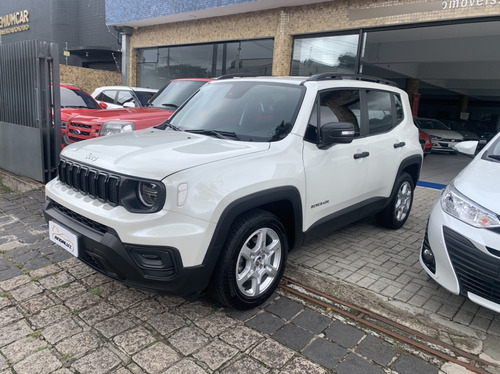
x=19, y=183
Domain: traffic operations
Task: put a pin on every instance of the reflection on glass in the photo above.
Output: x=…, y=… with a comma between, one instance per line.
x=157, y=66
x=325, y=54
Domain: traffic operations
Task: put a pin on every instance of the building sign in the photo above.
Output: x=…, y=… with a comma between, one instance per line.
x=14, y=22
x=455, y=4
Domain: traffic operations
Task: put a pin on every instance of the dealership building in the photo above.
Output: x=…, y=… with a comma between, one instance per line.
x=444, y=53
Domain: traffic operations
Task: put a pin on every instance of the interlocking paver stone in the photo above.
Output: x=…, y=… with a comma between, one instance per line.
x=157, y=358
x=413, y=365
x=355, y=364
x=97, y=362
x=132, y=341
x=312, y=321
x=343, y=334
x=216, y=354
x=325, y=353
x=266, y=323
x=376, y=349
x=188, y=340
x=285, y=308
x=41, y=362
x=293, y=337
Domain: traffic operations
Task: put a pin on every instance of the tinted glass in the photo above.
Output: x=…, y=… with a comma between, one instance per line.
x=157, y=66
x=247, y=111
x=380, y=116
x=77, y=99
x=324, y=54
x=175, y=93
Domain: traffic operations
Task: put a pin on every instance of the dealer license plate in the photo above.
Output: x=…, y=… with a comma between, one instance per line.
x=63, y=238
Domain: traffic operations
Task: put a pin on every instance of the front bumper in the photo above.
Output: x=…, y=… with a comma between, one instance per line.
x=155, y=268
x=467, y=259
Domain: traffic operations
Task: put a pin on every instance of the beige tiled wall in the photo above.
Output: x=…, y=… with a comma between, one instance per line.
x=283, y=23
x=89, y=79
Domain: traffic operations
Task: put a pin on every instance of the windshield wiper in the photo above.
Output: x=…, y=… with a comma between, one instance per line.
x=164, y=125
x=216, y=133
x=495, y=157
x=172, y=105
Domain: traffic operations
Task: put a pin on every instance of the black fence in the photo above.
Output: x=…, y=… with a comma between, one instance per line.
x=30, y=120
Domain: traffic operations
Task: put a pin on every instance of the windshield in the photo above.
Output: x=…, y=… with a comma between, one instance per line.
x=175, y=93
x=77, y=99
x=431, y=124
x=247, y=111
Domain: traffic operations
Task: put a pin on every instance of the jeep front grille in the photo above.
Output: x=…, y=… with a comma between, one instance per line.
x=93, y=182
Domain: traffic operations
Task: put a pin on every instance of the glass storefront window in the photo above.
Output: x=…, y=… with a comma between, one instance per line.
x=156, y=66
x=325, y=54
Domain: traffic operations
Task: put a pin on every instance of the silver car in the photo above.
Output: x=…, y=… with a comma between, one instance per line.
x=443, y=139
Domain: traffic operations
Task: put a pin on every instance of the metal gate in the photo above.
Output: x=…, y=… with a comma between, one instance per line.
x=30, y=115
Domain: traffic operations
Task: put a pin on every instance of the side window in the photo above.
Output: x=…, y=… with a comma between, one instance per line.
x=381, y=116
x=399, y=108
x=124, y=97
x=335, y=106
x=340, y=106
x=107, y=96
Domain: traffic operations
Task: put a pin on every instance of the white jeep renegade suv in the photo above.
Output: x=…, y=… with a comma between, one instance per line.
x=243, y=172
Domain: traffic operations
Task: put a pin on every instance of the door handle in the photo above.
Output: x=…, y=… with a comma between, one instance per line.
x=399, y=145
x=361, y=155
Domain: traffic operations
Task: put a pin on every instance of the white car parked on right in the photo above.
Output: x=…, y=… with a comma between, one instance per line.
x=461, y=248
x=123, y=96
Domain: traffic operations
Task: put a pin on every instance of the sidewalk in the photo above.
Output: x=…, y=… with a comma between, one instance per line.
x=57, y=315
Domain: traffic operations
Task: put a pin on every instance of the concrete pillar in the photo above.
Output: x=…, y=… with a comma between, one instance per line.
x=125, y=33
x=464, y=105
x=283, y=46
x=412, y=85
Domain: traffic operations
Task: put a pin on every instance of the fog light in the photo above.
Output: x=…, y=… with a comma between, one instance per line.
x=428, y=258
x=427, y=255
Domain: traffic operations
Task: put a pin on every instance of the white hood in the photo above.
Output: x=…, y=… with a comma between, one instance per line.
x=156, y=153
x=479, y=181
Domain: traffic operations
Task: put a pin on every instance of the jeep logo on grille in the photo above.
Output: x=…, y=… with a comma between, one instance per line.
x=91, y=157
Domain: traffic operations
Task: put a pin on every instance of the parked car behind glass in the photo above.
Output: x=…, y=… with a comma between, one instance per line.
x=461, y=248
x=425, y=142
x=443, y=139
x=123, y=96
x=459, y=126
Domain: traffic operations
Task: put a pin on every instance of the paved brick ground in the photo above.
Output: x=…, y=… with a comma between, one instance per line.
x=57, y=315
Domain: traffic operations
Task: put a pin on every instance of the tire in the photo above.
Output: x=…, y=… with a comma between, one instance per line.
x=248, y=273
x=396, y=213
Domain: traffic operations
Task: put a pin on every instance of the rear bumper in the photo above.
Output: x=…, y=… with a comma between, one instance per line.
x=154, y=268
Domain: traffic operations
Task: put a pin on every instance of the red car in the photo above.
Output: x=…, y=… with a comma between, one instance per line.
x=113, y=121
x=75, y=100
x=425, y=142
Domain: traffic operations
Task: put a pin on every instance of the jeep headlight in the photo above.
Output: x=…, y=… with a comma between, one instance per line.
x=142, y=196
x=147, y=193
x=116, y=127
x=466, y=210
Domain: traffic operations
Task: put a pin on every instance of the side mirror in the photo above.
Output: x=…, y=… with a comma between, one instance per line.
x=103, y=105
x=129, y=104
x=336, y=132
x=467, y=148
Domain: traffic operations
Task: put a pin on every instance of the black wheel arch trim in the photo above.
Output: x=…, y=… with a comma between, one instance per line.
x=273, y=200
x=411, y=165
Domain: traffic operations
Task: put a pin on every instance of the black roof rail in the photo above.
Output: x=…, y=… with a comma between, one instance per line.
x=230, y=76
x=359, y=77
